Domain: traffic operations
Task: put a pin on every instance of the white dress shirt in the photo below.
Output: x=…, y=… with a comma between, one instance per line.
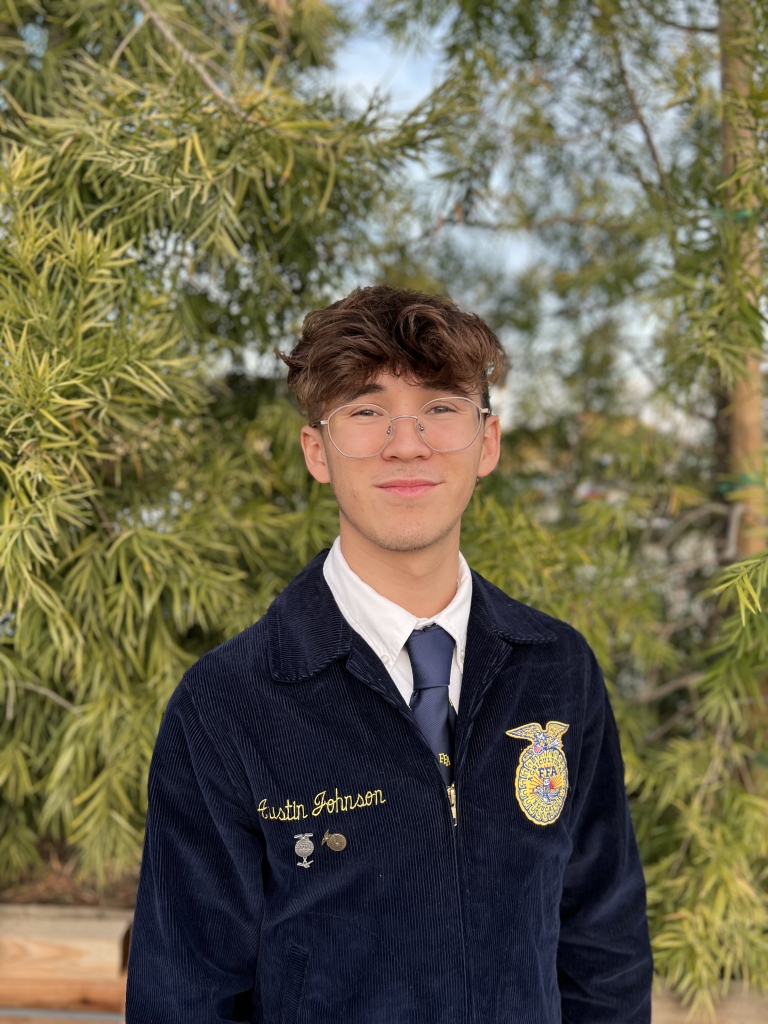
x=385, y=626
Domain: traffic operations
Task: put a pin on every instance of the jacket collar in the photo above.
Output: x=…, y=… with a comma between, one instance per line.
x=501, y=615
x=307, y=632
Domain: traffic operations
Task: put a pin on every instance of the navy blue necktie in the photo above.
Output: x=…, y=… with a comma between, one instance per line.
x=431, y=653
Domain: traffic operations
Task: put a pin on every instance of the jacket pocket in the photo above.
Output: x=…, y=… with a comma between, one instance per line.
x=293, y=983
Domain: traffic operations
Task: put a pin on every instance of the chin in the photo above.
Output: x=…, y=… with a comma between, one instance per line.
x=407, y=541
x=400, y=537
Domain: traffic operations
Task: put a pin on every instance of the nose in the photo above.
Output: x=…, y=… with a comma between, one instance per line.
x=405, y=442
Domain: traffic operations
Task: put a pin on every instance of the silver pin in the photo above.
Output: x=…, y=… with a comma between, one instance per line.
x=304, y=848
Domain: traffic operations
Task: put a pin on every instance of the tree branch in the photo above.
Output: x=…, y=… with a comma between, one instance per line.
x=731, y=548
x=489, y=225
x=663, y=180
x=686, y=28
x=565, y=140
x=677, y=625
x=671, y=23
x=693, y=679
x=690, y=517
x=191, y=60
x=50, y=694
x=127, y=41
x=665, y=727
x=219, y=12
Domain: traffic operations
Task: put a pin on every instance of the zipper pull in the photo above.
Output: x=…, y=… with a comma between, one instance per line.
x=452, y=799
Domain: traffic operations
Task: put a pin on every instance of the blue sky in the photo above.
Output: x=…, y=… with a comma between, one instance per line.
x=369, y=61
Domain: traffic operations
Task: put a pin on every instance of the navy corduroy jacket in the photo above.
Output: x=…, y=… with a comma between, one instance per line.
x=293, y=733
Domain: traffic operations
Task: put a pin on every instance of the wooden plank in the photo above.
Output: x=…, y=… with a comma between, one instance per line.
x=35, y=1017
x=30, y=1018
x=738, y=1007
x=63, y=958
x=62, y=943
x=59, y=994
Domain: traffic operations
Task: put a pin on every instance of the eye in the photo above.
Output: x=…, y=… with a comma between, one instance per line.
x=365, y=412
x=441, y=408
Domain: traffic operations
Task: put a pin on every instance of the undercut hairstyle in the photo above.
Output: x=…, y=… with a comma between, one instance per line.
x=423, y=338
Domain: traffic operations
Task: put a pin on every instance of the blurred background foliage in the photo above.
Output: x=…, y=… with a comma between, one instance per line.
x=180, y=182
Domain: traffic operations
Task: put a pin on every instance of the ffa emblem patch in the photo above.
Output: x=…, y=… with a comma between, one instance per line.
x=541, y=779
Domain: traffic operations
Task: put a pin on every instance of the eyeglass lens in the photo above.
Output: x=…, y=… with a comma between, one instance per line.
x=445, y=425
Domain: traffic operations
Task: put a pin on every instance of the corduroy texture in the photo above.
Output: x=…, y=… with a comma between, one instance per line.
x=295, y=727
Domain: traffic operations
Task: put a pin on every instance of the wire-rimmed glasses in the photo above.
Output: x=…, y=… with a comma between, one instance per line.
x=361, y=430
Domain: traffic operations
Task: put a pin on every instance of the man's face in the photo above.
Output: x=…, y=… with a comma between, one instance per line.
x=409, y=497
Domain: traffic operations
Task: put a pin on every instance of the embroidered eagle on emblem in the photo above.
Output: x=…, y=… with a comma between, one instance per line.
x=541, y=778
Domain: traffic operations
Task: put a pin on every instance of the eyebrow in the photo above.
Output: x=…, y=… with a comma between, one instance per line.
x=377, y=389
x=368, y=389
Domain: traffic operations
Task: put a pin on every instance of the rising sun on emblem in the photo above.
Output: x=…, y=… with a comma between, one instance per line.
x=541, y=779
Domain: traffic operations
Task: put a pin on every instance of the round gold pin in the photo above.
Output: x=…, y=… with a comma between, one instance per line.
x=335, y=840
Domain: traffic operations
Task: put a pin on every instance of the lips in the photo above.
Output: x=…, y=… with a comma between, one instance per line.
x=414, y=487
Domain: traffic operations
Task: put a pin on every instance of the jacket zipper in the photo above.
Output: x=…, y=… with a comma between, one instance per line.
x=452, y=801
x=451, y=793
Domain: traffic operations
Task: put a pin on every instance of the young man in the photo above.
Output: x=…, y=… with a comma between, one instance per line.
x=397, y=798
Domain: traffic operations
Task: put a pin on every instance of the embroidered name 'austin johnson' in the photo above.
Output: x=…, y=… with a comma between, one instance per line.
x=294, y=811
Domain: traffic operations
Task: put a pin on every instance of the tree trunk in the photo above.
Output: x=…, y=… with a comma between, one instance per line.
x=743, y=433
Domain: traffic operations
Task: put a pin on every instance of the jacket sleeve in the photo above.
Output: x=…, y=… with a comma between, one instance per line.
x=605, y=967
x=195, y=940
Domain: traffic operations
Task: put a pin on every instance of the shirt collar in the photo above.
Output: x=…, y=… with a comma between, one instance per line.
x=384, y=625
x=306, y=632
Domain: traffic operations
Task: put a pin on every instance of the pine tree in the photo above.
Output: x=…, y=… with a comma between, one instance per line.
x=625, y=141
x=175, y=185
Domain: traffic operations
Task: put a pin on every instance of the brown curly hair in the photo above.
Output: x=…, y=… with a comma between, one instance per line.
x=425, y=338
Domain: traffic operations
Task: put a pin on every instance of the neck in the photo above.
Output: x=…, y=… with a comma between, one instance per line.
x=423, y=582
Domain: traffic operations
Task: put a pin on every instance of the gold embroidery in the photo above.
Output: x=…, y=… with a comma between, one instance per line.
x=291, y=812
x=336, y=804
x=444, y=759
x=541, y=779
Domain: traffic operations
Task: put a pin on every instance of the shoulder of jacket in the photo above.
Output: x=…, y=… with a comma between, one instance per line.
x=517, y=617
x=223, y=673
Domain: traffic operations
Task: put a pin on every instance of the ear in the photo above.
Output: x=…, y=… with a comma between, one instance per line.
x=489, y=455
x=314, y=454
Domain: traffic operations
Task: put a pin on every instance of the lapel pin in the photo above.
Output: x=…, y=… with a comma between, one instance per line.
x=304, y=848
x=335, y=840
